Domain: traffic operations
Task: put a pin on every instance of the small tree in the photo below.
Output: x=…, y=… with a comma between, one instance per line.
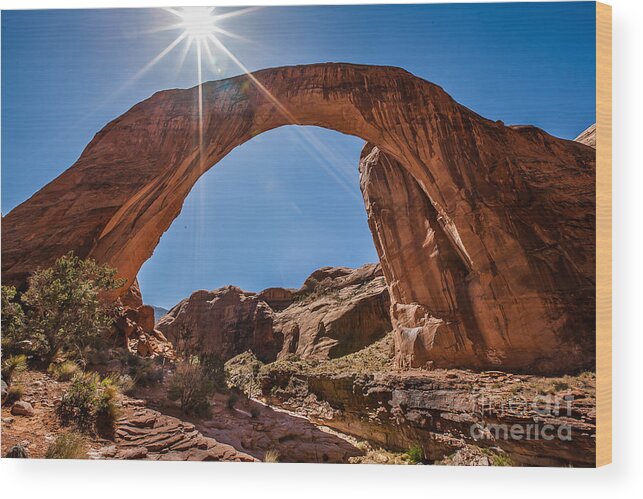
x=192, y=387
x=12, y=320
x=65, y=309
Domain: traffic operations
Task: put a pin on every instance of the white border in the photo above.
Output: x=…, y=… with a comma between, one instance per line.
x=50, y=480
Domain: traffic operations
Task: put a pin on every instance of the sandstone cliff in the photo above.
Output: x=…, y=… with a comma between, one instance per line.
x=337, y=311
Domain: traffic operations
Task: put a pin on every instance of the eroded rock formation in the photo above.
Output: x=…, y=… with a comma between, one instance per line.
x=337, y=311
x=588, y=137
x=446, y=411
x=514, y=205
x=226, y=321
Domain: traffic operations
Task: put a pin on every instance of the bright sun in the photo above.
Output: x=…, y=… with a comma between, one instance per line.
x=198, y=23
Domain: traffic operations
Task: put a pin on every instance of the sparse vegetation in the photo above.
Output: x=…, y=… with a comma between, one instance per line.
x=63, y=309
x=14, y=393
x=415, y=455
x=90, y=404
x=107, y=407
x=191, y=386
x=500, y=460
x=13, y=365
x=271, y=456
x=214, y=369
x=63, y=371
x=255, y=411
x=233, y=398
x=241, y=373
x=68, y=445
x=12, y=320
x=78, y=403
x=143, y=371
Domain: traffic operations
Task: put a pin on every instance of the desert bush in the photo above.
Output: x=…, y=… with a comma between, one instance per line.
x=271, y=456
x=78, y=403
x=91, y=404
x=191, y=386
x=63, y=371
x=18, y=452
x=12, y=366
x=107, y=407
x=68, y=445
x=143, y=371
x=123, y=382
x=501, y=460
x=255, y=411
x=64, y=309
x=14, y=393
x=233, y=398
x=214, y=369
x=415, y=455
x=12, y=319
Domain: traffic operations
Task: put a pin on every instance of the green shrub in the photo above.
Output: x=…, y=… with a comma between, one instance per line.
x=14, y=393
x=78, y=404
x=64, y=309
x=271, y=456
x=91, y=404
x=559, y=386
x=501, y=460
x=67, y=445
x=415, y=455
x=107, y=407
x=13, y=365
x=214, y=369
x=12, y=319
x=63, y=371
x=143, y=371
x=191, y=386
x=123, y=382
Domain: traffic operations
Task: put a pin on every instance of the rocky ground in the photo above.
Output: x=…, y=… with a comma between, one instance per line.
x=454, y=416
x=141, y=433
x=353, y=409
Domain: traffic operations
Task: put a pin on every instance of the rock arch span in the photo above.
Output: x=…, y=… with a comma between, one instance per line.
x=486, y=232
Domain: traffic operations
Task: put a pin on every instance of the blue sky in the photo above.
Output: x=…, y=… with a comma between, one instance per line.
x=274, y=210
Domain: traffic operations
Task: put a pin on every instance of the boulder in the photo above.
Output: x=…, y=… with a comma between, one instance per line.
x=22, y=408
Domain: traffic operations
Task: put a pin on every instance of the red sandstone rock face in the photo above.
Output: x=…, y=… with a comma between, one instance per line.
x=337, y=311
x=515, y=204
x=226, y=321
x=446, y=311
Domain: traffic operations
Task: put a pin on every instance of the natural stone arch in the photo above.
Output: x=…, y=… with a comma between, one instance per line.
x=514, y=204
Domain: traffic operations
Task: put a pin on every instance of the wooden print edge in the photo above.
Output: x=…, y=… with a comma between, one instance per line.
x=603, y=234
